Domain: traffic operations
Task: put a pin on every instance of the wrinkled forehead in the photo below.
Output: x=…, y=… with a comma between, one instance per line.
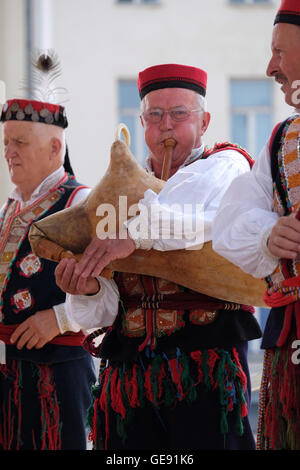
x=30, y=130
x=13, y=128
x=170, y=97
x=285, y=35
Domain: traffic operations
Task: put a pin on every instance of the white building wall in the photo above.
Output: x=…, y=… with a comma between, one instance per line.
x=101, y=41
x=12, y=65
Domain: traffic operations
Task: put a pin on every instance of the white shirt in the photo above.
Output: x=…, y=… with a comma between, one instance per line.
x=204, y=181
x=245, y=219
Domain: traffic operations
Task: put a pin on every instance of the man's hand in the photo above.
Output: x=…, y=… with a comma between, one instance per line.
x=100, y=253
x=36, y=331
x=72, y=283
x=284, y=240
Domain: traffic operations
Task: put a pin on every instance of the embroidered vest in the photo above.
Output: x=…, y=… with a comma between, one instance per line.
x=285, y=169
x=27, y=283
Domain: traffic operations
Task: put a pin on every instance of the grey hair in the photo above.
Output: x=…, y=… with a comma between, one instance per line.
x=201, y=101
x=64, y=145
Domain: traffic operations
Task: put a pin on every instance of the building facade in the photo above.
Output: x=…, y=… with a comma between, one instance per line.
x=103, y=44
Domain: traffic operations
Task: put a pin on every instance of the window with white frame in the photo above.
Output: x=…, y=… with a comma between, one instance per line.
x=129, y=114
x=146, y=2
x=251, y=113
x=251, y=2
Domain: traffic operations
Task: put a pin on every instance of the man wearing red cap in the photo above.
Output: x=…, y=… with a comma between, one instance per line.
x=175, y=372
x=46, y=375
x=263, y=238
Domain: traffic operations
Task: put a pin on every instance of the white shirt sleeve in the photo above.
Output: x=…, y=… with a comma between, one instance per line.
x=245, y=218
x=94, y=311
x=81, y=312
x=181, y=215
x=80, y=195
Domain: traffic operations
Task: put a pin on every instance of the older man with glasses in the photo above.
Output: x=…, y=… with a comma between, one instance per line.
x=176, y=375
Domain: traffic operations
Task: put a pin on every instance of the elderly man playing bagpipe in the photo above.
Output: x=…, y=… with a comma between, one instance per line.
x=175, y=372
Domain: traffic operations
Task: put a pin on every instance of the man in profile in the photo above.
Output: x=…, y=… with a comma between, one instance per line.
x=257, y=228
x=46, y=375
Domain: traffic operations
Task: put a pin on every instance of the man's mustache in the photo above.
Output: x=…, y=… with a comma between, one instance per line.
x=280, y=78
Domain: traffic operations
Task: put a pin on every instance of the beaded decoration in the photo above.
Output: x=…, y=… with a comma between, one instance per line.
x=289, y=168
x=34, y=111
x=15, y=225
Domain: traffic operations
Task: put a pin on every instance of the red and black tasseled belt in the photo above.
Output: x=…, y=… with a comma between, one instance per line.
x=181, y=301
x=176, y=301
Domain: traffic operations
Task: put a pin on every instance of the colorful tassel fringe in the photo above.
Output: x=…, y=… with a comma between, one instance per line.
x=123, y=388
x=11, y=408
x=279, y=410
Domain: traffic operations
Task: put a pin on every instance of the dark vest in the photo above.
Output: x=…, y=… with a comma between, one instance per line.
x=29, y=283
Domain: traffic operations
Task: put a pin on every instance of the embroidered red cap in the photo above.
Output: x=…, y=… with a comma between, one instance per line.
x=34, y=111
x=172, y=76
x=289, y=12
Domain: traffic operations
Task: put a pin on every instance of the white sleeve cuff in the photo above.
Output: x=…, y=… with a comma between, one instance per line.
x=95, y=311
x=65, y=323
x=264, y=244
x=141, y=240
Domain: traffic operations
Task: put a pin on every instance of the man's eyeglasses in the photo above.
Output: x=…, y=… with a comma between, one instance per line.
x=179, y=113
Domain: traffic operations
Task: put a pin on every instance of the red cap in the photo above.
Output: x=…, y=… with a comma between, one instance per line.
x=172, y=76
x=289, y=12
x=34, y=111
